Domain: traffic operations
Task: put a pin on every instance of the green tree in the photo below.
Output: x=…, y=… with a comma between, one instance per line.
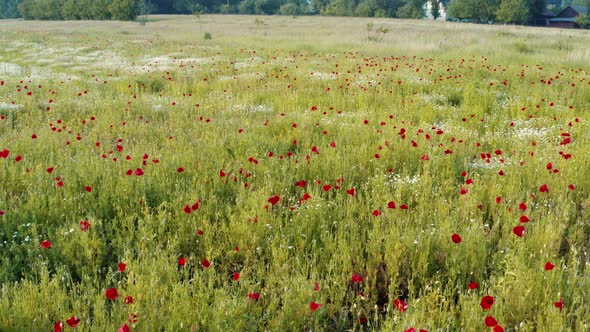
x=583, y=21
x=536, y=8
x=290, y=9
x=99, y=9
x=25, y=9
x=386, y=8
x=42, y=9
x=247, y=7
x=318, y=6
x=124, y=10
x=9, y=9
x=514, y=11
x=70, y=10
x=477, y=10
x=411, y=9
x=340, y=8
x=190, y=6
x=144, y=9
x=228, y=9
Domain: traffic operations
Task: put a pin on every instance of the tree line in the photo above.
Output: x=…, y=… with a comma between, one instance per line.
x=509, y=11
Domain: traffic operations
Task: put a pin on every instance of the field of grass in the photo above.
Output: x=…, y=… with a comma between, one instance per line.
x=293, y=174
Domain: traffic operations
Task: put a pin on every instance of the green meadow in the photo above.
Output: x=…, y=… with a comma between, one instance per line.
x=244, y=173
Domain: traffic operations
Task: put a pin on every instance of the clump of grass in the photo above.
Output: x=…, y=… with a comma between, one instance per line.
x=522, y=47
x=376, y=34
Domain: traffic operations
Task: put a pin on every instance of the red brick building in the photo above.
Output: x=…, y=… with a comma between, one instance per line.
x=567, y=17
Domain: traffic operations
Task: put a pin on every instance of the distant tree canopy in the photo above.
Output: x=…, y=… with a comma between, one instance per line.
x=509, y=11
x=125, y=10
x=8, y=9
x=129, y=9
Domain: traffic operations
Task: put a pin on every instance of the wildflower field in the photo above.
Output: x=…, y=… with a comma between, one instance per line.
x=293, y=174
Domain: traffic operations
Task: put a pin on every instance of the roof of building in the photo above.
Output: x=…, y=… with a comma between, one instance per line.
x=562, y=19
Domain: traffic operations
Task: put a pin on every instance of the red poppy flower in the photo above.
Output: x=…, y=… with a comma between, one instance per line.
x=128, y=300
x=524, y=219
x=124, y=328
x=316, y=287
x=111, y=294
x=518, y=230
x=139, y=172
x=487, y=302
x=400, y=305
x=391, y=205
x=314, y=306
x=58, y=327
x=544, y=188
x=376, y=213
x=88, y=189
x=498, y=328
x=456, y=238
x=301, y=184
x=2, y=212
x=549, y=266
x=559, y=304
x=356, y=278
x=196, y=206
x=186, y=209
x=122, y=267
x=73, y=321
x=45, y=244
x=254, y=296
x=235, y=276
x=84, y=225
x=304, y=198
x=522, y=206
x=491, y=321
x=363, y=320
x=205, y=263
x=473, y=285
x=181, y=261
x=274, y=199
x=180, y=169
